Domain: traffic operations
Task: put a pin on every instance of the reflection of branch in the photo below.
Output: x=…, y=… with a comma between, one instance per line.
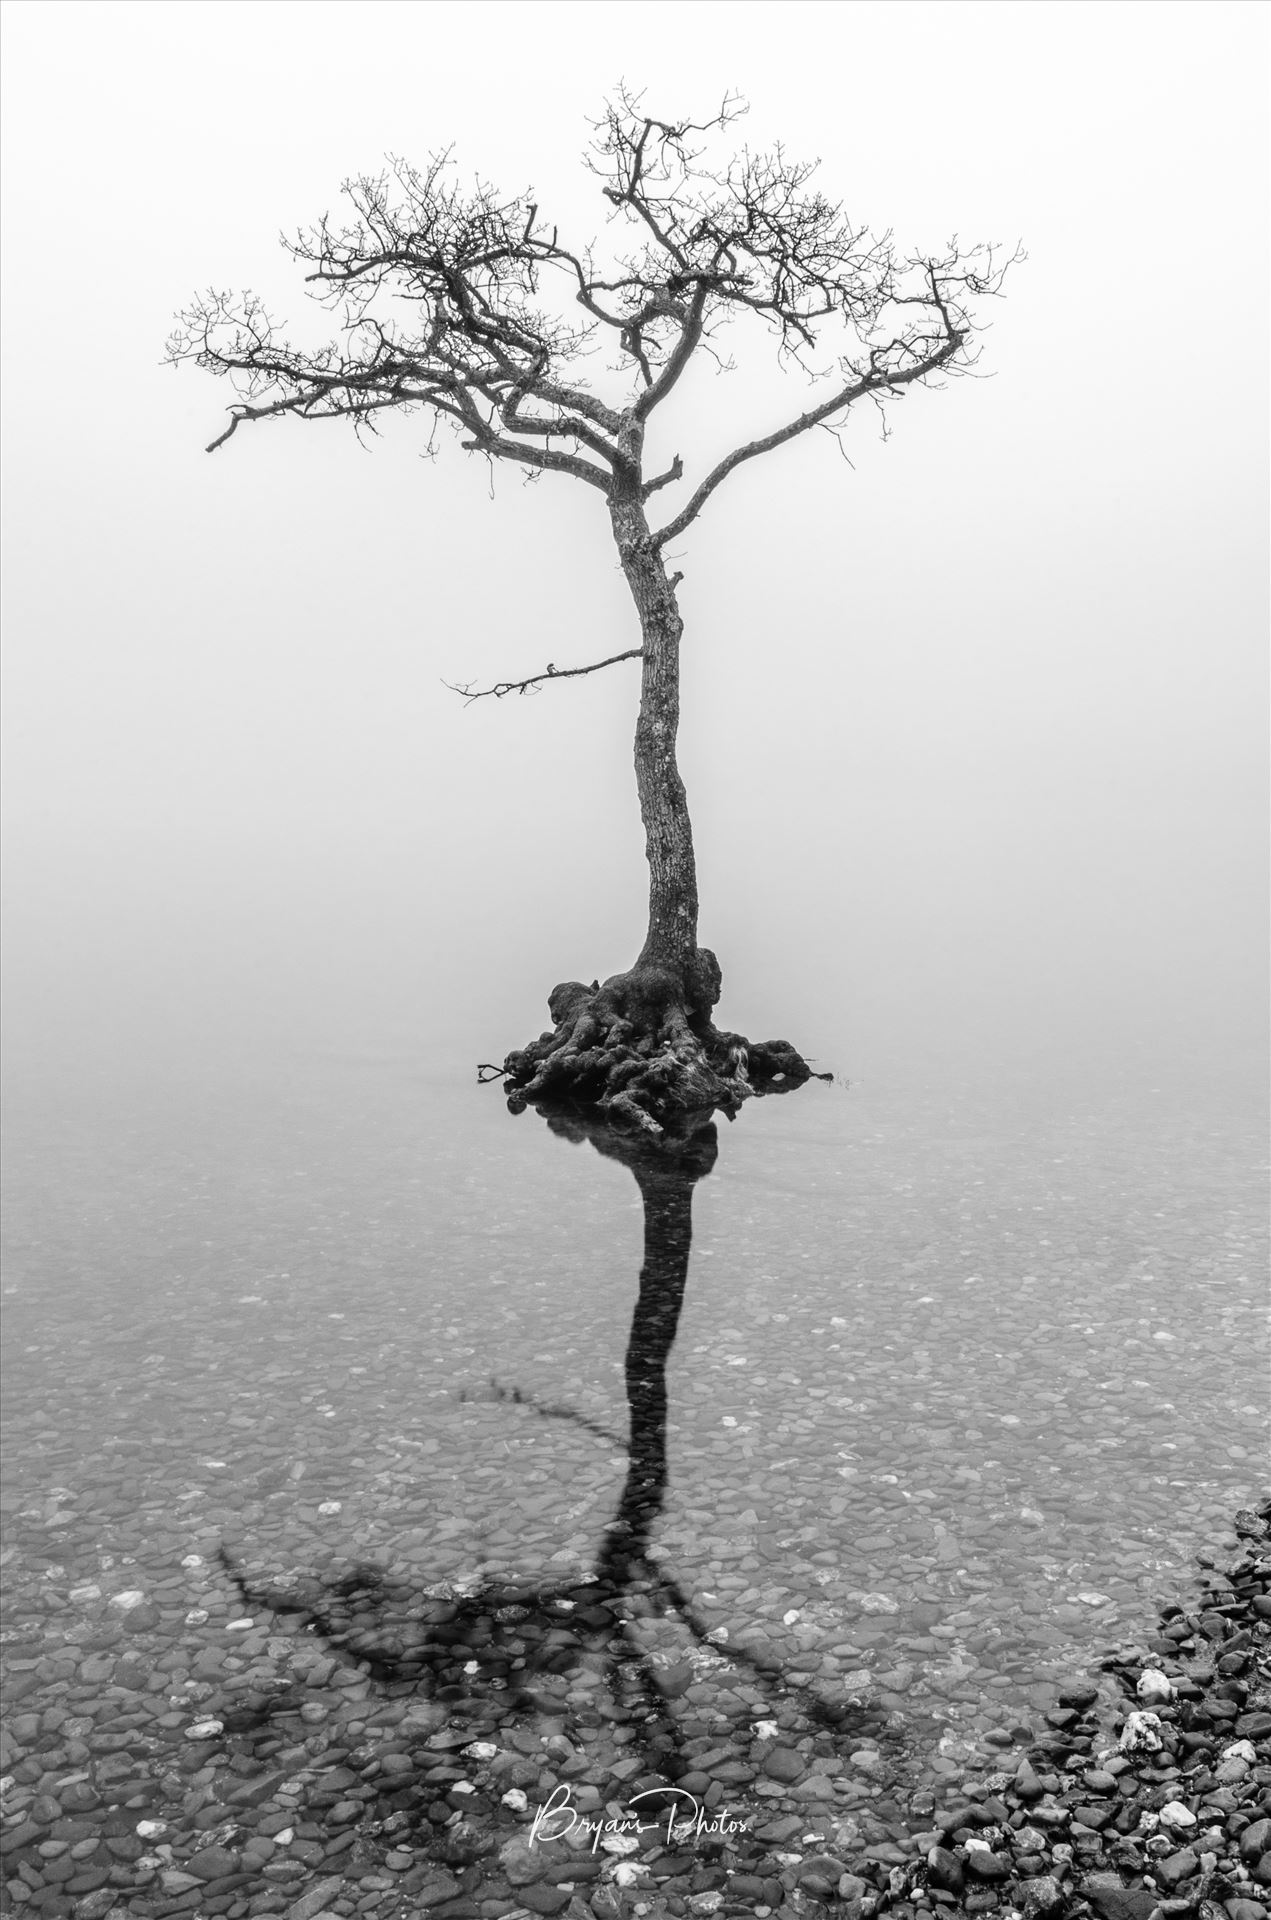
x=502, y=687
x=497, y=1395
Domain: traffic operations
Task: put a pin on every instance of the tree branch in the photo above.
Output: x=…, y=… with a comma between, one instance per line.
x=502, y=687
x=674, y=472
x=872, y=383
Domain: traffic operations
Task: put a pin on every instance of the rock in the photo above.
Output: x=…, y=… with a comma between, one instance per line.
x=310, y=1904
x=95, y=1905
x=1175, y=1869
x=1154, y=1688
x=983, y=1864
x=1176, y=1817
x=1113, y=1901
x=521, y=1863
x=1041, y=1896
x=1141, y=1734
x=1027, y=1785
x=213, y=1863
x=779, y=1832
x=783, y=1763
x=442, y=1886
x=945, y=1871
x=1255, y=1840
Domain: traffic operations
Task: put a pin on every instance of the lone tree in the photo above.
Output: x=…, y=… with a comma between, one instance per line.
x=467, y=305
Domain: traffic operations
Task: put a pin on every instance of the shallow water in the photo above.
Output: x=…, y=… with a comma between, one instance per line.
x=964, y=1379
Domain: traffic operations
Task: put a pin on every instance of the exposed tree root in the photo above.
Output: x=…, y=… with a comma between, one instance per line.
x=642, y=1051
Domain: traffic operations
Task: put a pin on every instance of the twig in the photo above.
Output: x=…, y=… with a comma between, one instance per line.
x=502, y=687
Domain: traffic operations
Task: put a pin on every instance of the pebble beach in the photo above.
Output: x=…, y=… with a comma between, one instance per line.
x=1148, y=1797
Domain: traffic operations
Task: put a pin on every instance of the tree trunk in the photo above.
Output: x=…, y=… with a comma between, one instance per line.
x=642, y=1051
x=671, y=941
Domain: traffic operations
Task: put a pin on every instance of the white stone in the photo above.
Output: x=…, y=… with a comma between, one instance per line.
x=126, y=1601
x=1154, y=1686
x=193, y=1560
x=482, y=1750
x=204, y=1729
x=515, y=1799
x=1141, y=1734
x=1175, y=1815
x=1241, y=1750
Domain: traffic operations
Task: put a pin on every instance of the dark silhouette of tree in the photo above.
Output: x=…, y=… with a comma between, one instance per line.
x=466, y=305
x=486, y=1654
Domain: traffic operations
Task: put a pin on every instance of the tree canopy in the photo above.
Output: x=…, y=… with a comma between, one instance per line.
x=466, y=303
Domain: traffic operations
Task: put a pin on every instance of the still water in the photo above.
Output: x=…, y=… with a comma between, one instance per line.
x=340, y=1400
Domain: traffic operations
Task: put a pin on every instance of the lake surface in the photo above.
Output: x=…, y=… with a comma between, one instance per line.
x=963, y=1377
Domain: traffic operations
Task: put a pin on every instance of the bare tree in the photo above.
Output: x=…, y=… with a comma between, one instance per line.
x=467, y=305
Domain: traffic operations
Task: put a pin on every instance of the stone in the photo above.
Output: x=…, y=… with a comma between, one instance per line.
x=1113, y=1901
x=983, y=1864
x=945, y=1870
x=1255, y=1840
x=1175, y=1869
x=783, y=1763
x=310, y=1904
x=213, y=1863
x=439, y=1886
x=1154, y=1688
x=1041, y=1896
x=521, y=1863
x=1141, y=1734
x=1027, y=1784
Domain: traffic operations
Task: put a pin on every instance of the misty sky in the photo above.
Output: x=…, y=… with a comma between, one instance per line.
x=974, y=727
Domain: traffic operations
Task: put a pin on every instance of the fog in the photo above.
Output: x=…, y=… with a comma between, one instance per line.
x=973, y=727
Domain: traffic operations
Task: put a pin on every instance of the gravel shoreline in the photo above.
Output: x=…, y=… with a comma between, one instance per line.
x=1154, y=1811
x=1148, y=1799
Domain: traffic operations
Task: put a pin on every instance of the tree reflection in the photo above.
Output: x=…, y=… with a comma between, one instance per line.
x=485, y=1655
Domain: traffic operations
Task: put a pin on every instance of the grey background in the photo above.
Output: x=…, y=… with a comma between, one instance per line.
x=974, y=729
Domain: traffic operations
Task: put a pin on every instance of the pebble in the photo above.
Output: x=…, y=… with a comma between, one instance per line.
x=1154, y=1687
x=1141, y=1733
